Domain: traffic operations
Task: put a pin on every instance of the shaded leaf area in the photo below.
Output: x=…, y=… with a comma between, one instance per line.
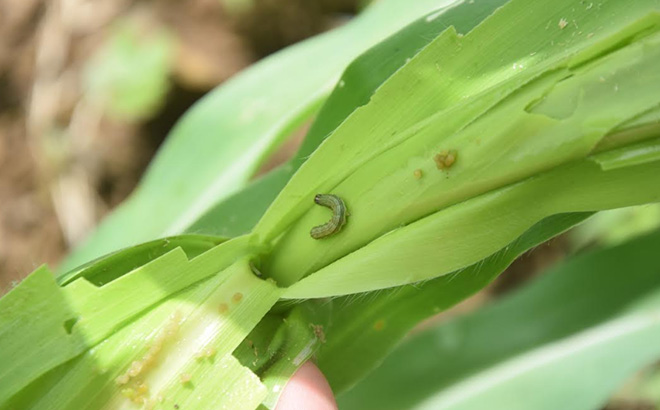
x=239, y=213
x=565, y=341
x=282, y=341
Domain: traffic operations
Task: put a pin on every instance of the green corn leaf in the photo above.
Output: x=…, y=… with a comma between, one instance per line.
x=503, y=126
x=191, y=334
x=565, y=341
x=486, y=223
x=35, y=310
x=85, y=314
x=108, y=268
x=367, y=328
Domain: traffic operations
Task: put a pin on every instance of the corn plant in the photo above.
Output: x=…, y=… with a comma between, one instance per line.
x=476, y=131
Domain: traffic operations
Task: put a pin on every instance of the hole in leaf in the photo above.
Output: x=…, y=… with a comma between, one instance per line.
x=68, y=324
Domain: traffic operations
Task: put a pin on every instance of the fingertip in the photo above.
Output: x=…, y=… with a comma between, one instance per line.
x=308, y=389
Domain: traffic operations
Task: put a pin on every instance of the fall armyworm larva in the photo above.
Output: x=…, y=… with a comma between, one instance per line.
x=339, y=214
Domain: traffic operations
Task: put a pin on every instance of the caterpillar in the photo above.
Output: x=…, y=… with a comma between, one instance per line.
x=339, y=215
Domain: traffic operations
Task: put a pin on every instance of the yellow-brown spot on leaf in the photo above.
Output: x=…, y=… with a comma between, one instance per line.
x=379, y=325
x=223, y=308
x=418, y=174
x=185, y=378
x=237, y=297
x=445, y=159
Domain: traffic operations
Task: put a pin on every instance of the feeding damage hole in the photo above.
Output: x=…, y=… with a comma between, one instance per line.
x=68, y=325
